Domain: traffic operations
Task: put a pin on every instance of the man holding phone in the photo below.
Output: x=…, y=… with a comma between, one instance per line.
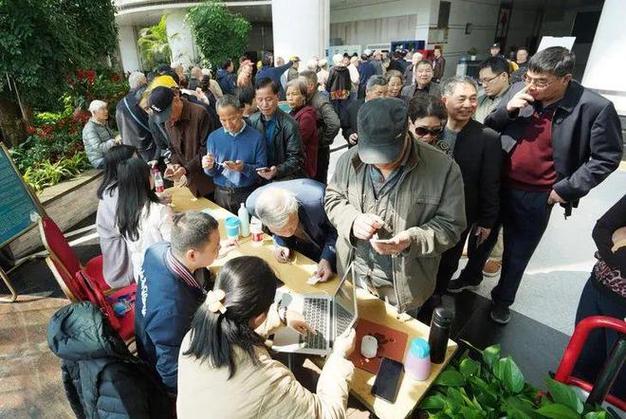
x=187, y=126
x=234, y=153
x=285, y=157
x=397, y=205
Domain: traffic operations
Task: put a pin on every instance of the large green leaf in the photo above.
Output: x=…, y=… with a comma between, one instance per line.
x=456, y=397
x=491, y=355
x=433, y=403
x=558, y=411
x=521, y=408
x=510, y=375
x=480, y=388
x=565, y=395
x=450, y=378
x=471, y=413
x=596, y=415
x=468, y=367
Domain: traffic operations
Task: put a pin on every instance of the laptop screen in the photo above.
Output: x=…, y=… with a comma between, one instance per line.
x=345, y=304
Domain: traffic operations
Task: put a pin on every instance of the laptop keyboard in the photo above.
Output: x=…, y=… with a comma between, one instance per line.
x=316, y=315
x=343, y=319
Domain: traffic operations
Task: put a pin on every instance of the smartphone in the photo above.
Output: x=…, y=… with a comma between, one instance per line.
x=262, y=169
x=388, y=379
x=381, y=241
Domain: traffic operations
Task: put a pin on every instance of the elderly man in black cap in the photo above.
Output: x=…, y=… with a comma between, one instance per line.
x=187, y=126
x=397, y=205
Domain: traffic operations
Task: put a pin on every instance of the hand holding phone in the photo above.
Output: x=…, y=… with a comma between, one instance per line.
x=267, y=173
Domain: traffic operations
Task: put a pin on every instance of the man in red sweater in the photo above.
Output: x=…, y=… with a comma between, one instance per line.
x=562, y=140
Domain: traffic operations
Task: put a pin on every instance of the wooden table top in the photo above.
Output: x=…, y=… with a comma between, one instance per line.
x=294, y=275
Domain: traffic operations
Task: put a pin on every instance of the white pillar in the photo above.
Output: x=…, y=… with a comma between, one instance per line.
x=129, y=54
x=180, y=38
x=300, y=28
x=607, y=59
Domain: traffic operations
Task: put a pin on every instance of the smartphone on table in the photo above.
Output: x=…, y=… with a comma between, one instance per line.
x=388, y=380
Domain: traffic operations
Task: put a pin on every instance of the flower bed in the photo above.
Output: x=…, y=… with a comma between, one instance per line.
x=53, y=151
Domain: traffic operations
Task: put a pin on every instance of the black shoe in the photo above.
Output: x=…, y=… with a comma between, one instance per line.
x=459, y=284
x=500, y=313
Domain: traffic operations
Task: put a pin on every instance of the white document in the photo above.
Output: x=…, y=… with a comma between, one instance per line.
x=556, y=41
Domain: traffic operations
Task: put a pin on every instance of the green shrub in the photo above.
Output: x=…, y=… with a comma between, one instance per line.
x=54, y=151
x=45, y=173
x=494, y=387
x=219, y=33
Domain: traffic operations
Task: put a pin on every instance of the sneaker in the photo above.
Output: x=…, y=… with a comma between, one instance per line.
x=500, y=314
x=458, y=285
x=492, y=268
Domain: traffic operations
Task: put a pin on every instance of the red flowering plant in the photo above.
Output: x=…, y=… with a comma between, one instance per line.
x=54, y=149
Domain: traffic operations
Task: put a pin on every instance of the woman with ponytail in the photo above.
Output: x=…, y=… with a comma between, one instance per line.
x=225, y=369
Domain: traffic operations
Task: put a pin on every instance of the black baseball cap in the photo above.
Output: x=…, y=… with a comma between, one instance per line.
x=382, y=125
x=161, y=103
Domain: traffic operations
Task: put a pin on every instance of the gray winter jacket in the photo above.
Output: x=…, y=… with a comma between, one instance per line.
x=429, y=204
x=328, y=123
x=98, y=139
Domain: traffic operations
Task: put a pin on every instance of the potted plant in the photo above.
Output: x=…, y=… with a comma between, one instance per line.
x=494, y=387
x=472, y=52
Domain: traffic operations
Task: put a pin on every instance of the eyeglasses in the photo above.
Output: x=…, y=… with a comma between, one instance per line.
x=485, y=82
x=423, y=131
x=539, y=83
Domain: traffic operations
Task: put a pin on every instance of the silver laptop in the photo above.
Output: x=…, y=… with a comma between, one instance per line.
x=329, y=315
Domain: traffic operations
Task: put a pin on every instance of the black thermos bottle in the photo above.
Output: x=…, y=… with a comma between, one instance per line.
x=439, y=334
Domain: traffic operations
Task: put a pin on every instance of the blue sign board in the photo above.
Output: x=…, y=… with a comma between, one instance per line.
x=16, y=203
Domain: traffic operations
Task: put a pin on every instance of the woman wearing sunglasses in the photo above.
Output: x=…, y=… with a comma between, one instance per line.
x=427, y=118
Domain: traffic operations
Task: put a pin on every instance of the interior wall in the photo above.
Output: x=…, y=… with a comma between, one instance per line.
x=481, y=15
x=261, y=37
x=370, y=31
x=373, y=21
x=354, y=10
x=522, y=26
x=559, y=21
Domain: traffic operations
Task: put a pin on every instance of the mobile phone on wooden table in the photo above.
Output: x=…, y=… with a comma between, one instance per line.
x=388, y=380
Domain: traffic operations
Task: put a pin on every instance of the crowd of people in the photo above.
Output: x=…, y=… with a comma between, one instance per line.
x=433, y=163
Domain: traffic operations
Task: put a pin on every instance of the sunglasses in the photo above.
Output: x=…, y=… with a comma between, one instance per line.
x=423, y=131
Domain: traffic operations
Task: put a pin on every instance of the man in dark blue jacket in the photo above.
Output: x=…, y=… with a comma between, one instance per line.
x=561, y=141
x=226, y=78
x=366, y=70
x=174, y=284
x=294, y=212
x=273, y=73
